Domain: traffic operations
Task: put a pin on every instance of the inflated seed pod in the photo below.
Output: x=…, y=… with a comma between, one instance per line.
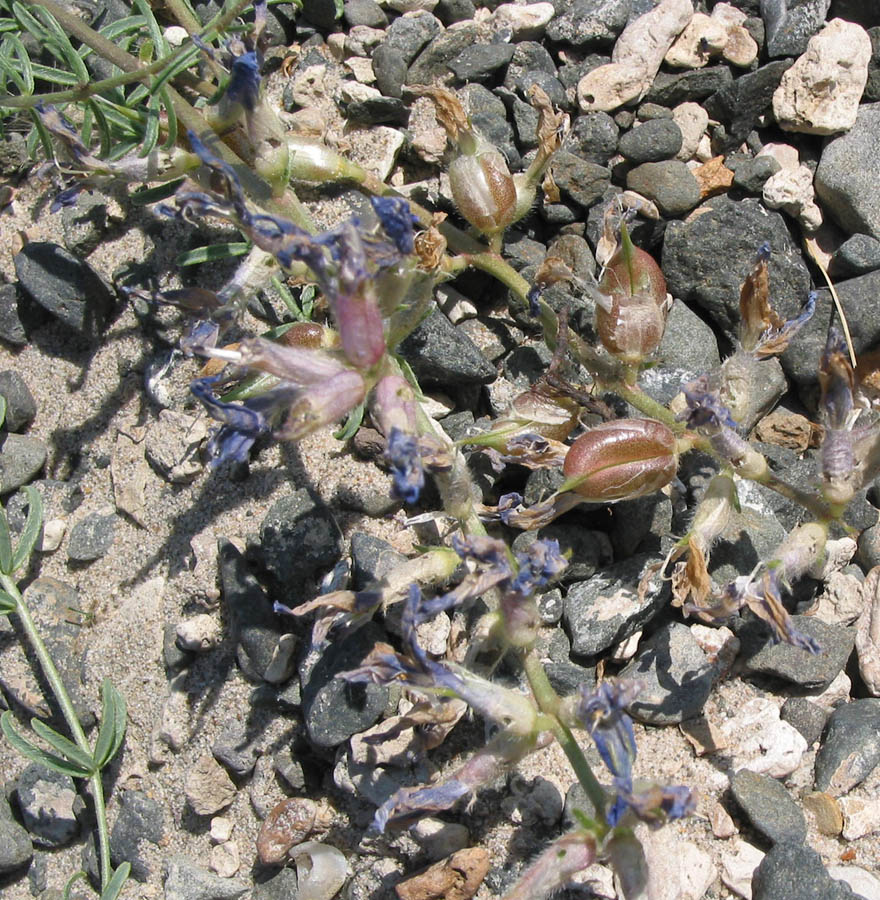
x=622, y=459
x=631, y=309
x=483, y=189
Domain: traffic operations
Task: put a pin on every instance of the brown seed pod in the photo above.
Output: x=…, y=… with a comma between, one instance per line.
x=622, y=459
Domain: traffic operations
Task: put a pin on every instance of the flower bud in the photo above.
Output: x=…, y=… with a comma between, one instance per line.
x=631, y=310
x=622, y=459
x=483, y=189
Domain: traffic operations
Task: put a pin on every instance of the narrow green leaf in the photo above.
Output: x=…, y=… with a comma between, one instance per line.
x=151, y=132
x=5, y=545
x=103, y=127
x=212, y=253
x=63, y=745
x=152, y=195
x=24, y=61
x=54, y=76
x=7, y=603
x=123, y=26
x=113, y=724
x=2, y=409
x=352, y=423
x=33, y=526
x=170, y=119
x=35, y=754
x=65, y=895
x=116, y=883
x=65, y=50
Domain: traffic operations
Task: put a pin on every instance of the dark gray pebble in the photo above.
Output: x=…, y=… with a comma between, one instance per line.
x=441, y=354
x=91, y=537
x=333, y=709
x=298, y=537
x=67, y=287
x=49, y=805
x=809, y=670
x=364, y=12
x=21, y=459
x=809, y=718
x=856, y=256
x=140, y=818
x=479, y=62
x=21, y=408
x=674, y=674
x=583, y=181
x=750, y=174
x=606, y=609
x=795, y=872
x=184, y=880
x=769, y=807
x=16, y=849
x=789, y=24
x=670, y=184
x=850, y=749
x=653, y=141
x=234, y=749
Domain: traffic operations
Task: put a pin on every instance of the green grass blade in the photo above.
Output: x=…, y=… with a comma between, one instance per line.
x=170, y=118
x=113, y=724
x=352, y=423
x=143, y=196
x=62, y=46
x=54, y=76
x=7, y=604
x=117, y=882
x=62, y=745
x=151, y=132
x=5, y=545
x=32, y=528
x=27, y=72
x=212, y=253
x=35, y=754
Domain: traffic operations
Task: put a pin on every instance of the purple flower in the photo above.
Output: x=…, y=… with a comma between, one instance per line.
x=242, y=423
x=705, y=411
x=244, y=81
x=603, y=713
x=540, y=564
x=405, y=460
x=397, y=221
x=67, y=197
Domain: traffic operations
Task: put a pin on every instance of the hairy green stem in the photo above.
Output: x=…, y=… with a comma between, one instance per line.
x=47, y=664
x=548, y=702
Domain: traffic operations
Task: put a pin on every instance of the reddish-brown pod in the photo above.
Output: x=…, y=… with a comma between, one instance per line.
x=622, y=459
x=631, y=310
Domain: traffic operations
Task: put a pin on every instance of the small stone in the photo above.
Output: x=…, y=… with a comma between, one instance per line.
x=670, y=184
x=809, y=718
x=140, y=818
x=760, y=741
x=850, y=750
x=583, y=181
x=795, y=872
x=16, y=849
x=49, y=805
x=703, y=736
x=826, y=811
x=455, y=878
x=364, y=12
x=281, y=886
x=85, y=224
x=670, y=89
x=692, y=121
x=752, y=174
x=234, y=748
x=790, y=24
x=225, y=859
x=21, y=408
x=288, y=824
x=439, y=839
x=525, y=22
x=65, y=286
x=738, y=865
x=703, y=38
x=655, y=140
x=199, y=634
x=588, y=24
x=186, y=881
x=21, y=459
x=722, y=825
x=769, y=807
x=820, y=93
x=208, y=788
x=674, y=675
x=91, y=537
x=221, y=829
x=713, y=177
x=856, y=256
x=480, y=61
x=868, y=633
x=812, y=671
x=606, y=609
x=847, y=178
x=860, y=817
